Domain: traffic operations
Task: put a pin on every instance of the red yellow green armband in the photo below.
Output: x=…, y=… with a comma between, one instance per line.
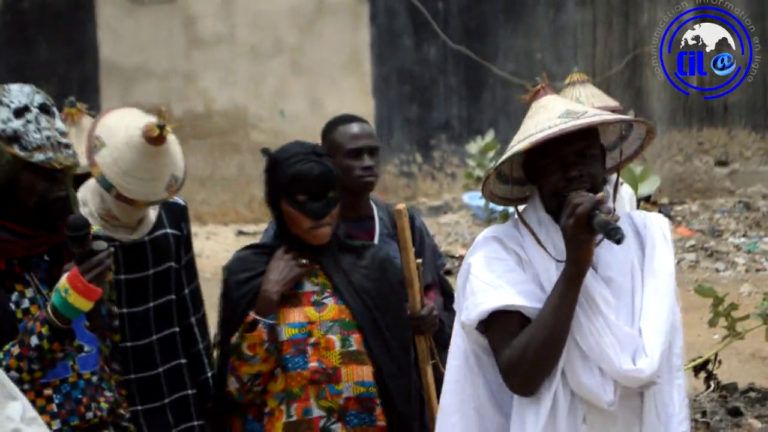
x=74, y=296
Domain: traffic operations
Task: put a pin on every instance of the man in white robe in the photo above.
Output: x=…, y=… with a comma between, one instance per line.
x=16, y=413
x=557, y=331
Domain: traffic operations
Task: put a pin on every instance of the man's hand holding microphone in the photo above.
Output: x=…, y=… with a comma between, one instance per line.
x=585, y=216
x=84, y=284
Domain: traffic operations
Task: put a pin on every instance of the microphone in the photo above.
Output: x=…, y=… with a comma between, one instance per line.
x=608, y=228
x=78, y=232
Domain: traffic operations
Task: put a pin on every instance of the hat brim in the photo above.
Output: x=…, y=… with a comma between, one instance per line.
x=624, y=138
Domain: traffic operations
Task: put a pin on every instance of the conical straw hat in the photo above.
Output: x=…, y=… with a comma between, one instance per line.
x=550, y=116
x=78, y=123
x=135, y=157
x=579, y=88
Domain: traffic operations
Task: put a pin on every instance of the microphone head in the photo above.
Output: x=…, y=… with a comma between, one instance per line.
x=609, y=229
x=78, y=228
x=615, y=235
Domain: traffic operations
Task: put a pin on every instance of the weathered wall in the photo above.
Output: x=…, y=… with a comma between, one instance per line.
x=241, y=74
x=238, y=75
x=429, y=96
x=51, y=44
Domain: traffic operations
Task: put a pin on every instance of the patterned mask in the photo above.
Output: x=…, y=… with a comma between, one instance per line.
x=32, y=129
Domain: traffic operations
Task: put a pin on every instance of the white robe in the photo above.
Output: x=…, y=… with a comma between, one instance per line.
x=626, y=200
x=16, y=413
x=621, y=368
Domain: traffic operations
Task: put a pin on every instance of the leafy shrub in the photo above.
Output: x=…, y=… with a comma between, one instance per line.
x=641, y=179
x=482, y=151
x=724, y=316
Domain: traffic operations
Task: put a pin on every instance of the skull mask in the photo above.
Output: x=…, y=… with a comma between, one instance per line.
x=31, y=127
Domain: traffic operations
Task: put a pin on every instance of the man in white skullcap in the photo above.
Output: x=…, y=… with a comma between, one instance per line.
x=557, y=330
x=137, y=168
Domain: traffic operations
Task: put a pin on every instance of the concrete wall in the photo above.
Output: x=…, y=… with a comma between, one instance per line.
x=40, y=46
x=449, y=97
x=237, y=75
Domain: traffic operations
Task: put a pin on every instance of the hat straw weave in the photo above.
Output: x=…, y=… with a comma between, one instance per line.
x=550, y=116
x=579, y=88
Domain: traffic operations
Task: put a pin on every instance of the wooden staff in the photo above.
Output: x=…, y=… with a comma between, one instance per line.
x=415, y=302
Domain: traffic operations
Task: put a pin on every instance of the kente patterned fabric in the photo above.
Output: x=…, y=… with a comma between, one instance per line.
x=307, y=372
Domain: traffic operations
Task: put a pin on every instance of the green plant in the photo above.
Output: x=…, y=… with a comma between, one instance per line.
x=481, y=156
x=722, y=315
x=641, y=179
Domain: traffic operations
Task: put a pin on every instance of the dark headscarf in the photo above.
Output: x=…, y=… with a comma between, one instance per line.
x=357, y=272
x=299, y=169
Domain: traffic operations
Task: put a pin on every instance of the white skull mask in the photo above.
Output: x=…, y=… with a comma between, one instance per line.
x=31, y=127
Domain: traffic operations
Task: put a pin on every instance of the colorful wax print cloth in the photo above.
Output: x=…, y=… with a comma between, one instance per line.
x=309, y=371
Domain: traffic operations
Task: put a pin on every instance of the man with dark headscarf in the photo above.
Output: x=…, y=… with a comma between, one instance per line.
x=308, y=340
x=56, y=328
x=354, y=149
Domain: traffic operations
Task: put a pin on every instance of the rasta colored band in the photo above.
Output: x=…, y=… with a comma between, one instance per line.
x=82, y=287
x=66, y=308
x=72, y=297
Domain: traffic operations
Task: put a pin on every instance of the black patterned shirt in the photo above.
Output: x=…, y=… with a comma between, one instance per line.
x=165, y=347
